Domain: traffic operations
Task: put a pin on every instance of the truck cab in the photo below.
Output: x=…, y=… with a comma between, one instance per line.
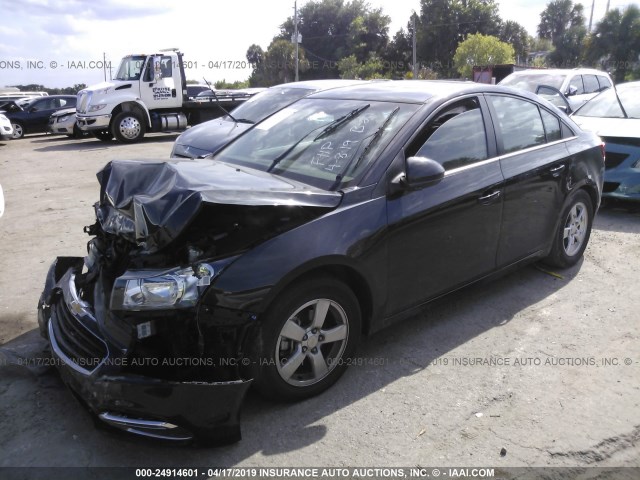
x=148, y=94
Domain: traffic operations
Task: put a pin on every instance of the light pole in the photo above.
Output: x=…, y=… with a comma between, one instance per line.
x=413, y=42
x=296, y=36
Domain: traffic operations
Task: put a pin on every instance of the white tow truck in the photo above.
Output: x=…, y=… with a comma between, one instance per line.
x=148, y=94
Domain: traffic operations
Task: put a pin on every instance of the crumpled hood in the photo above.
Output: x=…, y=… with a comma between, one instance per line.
x=151, y=203
x=62, y=113
x=208, y=137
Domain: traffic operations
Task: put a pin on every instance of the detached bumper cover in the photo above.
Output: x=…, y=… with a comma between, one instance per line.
x=151, y=407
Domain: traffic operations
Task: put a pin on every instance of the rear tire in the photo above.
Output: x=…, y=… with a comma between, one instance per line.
x=306, y=340
x=573, y=232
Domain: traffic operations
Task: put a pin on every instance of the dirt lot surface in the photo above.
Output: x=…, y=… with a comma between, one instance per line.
x=533, y=369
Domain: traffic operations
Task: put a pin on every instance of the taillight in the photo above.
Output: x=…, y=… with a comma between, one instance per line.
x=604, y=155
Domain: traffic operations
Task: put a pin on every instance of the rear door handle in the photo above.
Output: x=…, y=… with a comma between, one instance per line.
x=490, y=197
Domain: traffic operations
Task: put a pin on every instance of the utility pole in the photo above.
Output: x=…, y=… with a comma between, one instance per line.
x=296, y=37
x=104, y=65
x=591, y=16
x=415, y=62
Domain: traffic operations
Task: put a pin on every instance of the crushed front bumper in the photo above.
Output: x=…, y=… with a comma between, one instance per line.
x=91, y=366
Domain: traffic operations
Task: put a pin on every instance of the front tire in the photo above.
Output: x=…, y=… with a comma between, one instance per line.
x=306, y=340
x=573, y=232
x=18, y=130
x=128, y=127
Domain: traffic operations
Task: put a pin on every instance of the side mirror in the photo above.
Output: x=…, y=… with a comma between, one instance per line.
x=423, y=171
x=572, y=90
x=157, y=68
x=419, y=172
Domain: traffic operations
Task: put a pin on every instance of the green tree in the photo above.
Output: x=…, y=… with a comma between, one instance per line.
x=563, y=23
x=335, y=29
x=374, y=67
x=480, y=49
x=255, y=56
x=224, y=85
x=398, y=55
x=615, y=43
x=516, y=35
x=443, y=24
x=278, y=64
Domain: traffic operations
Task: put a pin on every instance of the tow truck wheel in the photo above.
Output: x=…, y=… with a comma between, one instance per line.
x=307, y=339
x=128, y=127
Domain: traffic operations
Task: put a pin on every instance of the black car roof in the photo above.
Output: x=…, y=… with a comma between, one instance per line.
x=409, y=91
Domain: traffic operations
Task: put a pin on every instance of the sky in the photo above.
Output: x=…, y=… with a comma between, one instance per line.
x=62, y=43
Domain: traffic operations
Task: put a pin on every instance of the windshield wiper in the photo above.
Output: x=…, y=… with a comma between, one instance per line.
x=336, y=123
x=376, y=137
x=243, y=120
x=328, y=129
x=218, y=101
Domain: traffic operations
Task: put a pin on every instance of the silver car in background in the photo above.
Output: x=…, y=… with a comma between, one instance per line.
x=63, y=122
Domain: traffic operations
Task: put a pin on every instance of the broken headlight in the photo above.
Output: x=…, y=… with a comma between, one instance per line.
x=157, y=290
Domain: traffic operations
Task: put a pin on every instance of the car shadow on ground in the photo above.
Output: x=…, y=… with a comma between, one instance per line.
x=56, y=143
x=612, y=215
x=34, y=393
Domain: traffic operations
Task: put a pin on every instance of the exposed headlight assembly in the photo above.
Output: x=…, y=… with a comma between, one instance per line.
x=161, y=290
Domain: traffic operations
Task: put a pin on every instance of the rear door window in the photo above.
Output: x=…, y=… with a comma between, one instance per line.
x=519, y=123
x=604, y=82
x=591, y=84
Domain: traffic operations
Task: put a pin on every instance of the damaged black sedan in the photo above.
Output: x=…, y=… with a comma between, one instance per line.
x=332, y=218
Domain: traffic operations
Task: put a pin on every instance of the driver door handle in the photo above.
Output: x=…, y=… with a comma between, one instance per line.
x=490, y=197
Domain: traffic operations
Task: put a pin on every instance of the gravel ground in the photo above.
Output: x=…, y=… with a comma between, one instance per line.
x=537, y=368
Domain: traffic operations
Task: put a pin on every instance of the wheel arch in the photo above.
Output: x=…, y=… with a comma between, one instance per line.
x=130, y=106
x=592, y=191
x=349, y=274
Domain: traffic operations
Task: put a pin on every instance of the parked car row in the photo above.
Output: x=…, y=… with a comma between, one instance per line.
x=615, y=116
x=32, y=115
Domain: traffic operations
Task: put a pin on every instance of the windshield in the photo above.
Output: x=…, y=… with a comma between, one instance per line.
x=531, y=82
x=260, y=106
x=321, y=142
x=130, y=68
x=606, y=104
